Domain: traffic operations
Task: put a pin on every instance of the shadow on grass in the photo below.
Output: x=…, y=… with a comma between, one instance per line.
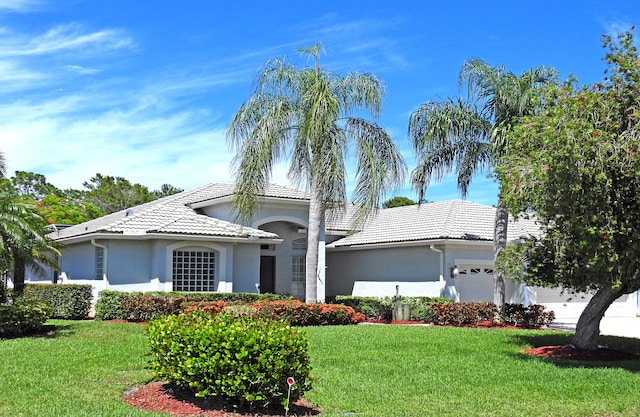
x=628, y=347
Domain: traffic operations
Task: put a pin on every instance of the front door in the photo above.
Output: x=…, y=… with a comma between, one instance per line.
x=267, y=274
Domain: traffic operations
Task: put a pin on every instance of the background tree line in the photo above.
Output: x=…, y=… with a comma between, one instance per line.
x=102, y=194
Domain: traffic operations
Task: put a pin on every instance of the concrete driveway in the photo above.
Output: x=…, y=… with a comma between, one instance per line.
x=612, y=326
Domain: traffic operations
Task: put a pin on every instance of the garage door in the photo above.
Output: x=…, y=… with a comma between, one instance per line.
x=475, y=284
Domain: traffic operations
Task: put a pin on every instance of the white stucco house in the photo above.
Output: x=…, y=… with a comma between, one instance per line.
x=191, y=241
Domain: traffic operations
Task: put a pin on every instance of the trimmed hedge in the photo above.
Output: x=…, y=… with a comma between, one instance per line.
x=380, y=309
x=467, y=313
x=243, y=361
x=23, y=318
x=137, y=306
x=459, y=314
x=67, y=301
x=297, y=313
x=373, y=308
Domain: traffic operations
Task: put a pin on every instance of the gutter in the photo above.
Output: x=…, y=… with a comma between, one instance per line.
x=442, y=282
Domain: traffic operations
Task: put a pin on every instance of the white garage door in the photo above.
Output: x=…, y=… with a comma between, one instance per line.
x=475, y=284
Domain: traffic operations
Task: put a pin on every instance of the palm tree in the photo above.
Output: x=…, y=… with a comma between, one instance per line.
x=471, y=136
x=23, y=242
x=305, y=113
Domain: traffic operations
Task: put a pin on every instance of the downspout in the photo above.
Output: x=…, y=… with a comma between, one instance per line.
x=105, y=262
x=442, y=282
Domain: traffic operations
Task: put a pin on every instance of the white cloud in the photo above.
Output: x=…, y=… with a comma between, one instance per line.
x=19, y=5
x=81, y=70
x=63, y=38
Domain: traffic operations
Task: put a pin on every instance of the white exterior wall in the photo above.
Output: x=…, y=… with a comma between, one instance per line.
x=79, y=261
x=246, y=268
x=414, y=264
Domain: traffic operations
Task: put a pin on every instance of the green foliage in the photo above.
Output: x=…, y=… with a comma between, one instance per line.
x=373, y=308
x=166, y=190
x=243, y=361
x=65, y=301
x=33, y=186
x=380, y=309
x=112, y=194
x=110, y=305
x=136, y=306
x=532, y=316
x=24, y=244
x=473, y=313
x=297, y=313
x=576, y=164
x=23, y=317
x=398, y=201
x=459, y=314
x=4, y=293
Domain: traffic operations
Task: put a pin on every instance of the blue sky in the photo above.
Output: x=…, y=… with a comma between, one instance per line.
x=145, y=89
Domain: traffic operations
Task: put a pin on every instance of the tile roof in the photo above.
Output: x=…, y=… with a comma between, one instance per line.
x=453, y=219
x=172, y=215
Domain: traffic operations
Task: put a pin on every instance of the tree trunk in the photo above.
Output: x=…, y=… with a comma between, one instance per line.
x=588, y=327
x=499, y=243
x=19, y=272
x=313, y=239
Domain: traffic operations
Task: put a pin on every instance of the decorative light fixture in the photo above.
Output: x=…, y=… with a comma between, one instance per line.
x=454, y=272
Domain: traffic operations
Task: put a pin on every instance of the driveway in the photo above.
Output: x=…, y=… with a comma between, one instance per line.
x=612, y=326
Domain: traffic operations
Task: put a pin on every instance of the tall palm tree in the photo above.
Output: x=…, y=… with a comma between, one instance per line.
x=305, y=113
x=472, y=135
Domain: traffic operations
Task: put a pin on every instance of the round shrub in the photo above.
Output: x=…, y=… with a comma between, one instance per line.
x=241, y=360
x=22, y=318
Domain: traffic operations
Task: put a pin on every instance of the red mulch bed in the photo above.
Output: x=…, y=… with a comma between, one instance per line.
x=163, y=398
x=568, y=352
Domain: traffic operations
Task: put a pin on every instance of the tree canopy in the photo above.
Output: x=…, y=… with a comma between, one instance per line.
x=398, y=201
x=471, y=135
x=576, y=165
x=306, y=113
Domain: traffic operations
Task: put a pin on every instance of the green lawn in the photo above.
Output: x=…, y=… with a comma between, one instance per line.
x=366, y=370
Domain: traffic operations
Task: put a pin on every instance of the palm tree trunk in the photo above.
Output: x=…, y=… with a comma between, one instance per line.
x=313, y=239
x=588, y=327
x=499, y=244
x=19, y=272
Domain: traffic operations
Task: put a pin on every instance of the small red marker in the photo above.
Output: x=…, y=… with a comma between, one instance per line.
x=291, y=381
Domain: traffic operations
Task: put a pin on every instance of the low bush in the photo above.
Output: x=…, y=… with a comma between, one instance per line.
x=23, y=317
x=380, y=308
x=243, y=361
x=466, y=313
x=214, y=307
x=373, y=308
x=532, y=316
x=67, y=301
x=4, y=293
x=459, y=314
x=137, y=306
x=297, y=313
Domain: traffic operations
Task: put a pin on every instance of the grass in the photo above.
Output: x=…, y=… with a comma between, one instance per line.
x=366, y=370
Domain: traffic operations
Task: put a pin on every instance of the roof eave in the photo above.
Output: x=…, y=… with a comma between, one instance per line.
x=177, y=236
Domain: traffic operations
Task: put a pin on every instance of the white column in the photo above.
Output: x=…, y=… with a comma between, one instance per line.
x=322, y=263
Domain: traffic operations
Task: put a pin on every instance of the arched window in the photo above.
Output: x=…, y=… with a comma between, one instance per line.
x=194, y=269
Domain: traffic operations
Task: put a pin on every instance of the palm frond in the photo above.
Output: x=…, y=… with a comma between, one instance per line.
x=445, y=135
x=381, y=167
